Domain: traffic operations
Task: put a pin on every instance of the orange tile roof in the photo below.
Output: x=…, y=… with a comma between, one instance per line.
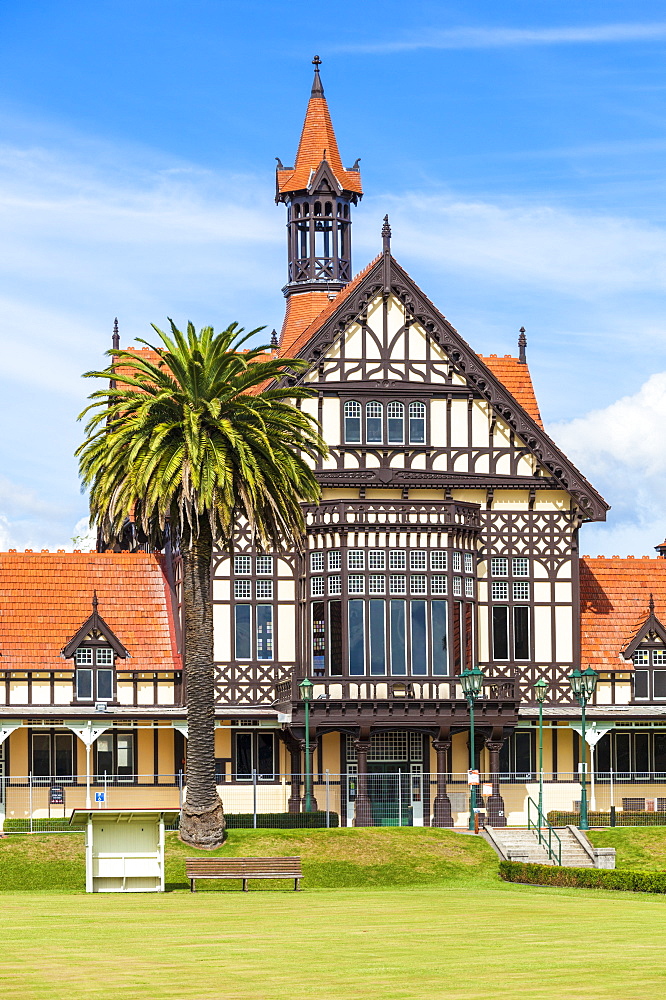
x=317, y=143
x=301, y=309
x=45, y=598
x=301, y=338
x=614, y=597
x=515, y=377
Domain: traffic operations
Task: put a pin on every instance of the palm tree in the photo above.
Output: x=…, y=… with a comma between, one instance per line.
x=188, y=439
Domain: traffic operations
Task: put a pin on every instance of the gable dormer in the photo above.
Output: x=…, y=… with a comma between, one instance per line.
x=94, y=649
x=647, y=651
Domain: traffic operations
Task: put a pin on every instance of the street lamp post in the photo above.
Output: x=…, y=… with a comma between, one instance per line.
x=540, y=690
x=305, y=689
x=583, y=684
x=471, y=681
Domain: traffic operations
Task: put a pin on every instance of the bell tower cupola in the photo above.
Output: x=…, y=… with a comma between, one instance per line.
x=318, y=192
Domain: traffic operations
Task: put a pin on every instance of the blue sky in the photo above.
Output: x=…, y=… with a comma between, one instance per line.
x=518, y=148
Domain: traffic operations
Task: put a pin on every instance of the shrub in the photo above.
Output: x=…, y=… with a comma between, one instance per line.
x=583, y=878
x=280, y=821
x=623, y=817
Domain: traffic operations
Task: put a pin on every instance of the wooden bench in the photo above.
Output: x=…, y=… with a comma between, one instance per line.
x=243, y=868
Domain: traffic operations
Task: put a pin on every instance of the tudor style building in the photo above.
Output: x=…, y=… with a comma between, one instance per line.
x=447, y=536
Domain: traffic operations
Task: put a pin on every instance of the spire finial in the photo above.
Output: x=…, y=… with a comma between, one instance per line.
x=386, y=235
x=651, y=604
x=317, y=89
x=115, y=340
x=522, y=344
x=274, y=339
x=95, y=602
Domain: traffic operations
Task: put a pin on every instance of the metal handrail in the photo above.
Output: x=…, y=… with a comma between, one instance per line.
x=554, y=852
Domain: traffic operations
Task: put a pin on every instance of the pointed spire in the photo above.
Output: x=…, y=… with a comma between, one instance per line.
x=651, y=605
x=317, y=88
x=522, y=345
x=95, y=602
x=386, y=235
x=274, y=339
x=115, y=339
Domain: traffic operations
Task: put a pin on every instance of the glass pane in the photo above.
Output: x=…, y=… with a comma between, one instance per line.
x=265, y=755
x=440, y=662
x=105, y=685
x=41, y=755
x=641, y=684
x=642, y=752
x=419, y=638
x=500, y=632
x=416, y=423
x=523, y=752
x=377, y=637
x=125, y=754
x=398, y=641
x=622, y=752
x=104, y=753
x=264, y=631
x=243, y=640
x=244, y=755
x=335, y=632
x=84, y=684
x=659, y=681
x=521, y=633
x=64, y=756
x=356, y=638
x=602, y=755
x=373, y=422
x=660, y=752
x=318, y=639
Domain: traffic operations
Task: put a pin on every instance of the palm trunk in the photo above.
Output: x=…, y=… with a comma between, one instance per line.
x=202, y=817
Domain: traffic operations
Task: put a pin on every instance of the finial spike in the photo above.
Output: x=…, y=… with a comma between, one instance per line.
x=386, y=235
x=274, y=339
x=95, y=602
x=522, y=345
x=115, y=340
x=317, y=88
x=651, y=605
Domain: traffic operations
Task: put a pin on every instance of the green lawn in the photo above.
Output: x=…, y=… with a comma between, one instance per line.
x=640, y=848
x=451, y=929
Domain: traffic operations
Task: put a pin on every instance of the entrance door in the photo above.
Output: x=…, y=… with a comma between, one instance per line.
x=390, y=794
x=416, y=794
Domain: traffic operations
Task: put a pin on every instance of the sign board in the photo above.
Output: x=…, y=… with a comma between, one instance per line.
x=487, y=788
x=57, y=795
x=100, y=796
x=472, y=777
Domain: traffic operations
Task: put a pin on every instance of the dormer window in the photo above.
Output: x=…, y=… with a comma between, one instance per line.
x=94, y=650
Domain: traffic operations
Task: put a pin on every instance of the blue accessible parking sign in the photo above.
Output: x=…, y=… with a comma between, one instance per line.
x=100, y=796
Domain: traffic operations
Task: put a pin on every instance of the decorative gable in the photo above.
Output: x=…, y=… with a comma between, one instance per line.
x=650, y=634
x=95, y=629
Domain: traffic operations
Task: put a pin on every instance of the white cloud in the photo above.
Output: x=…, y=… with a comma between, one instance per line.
x=621, y=450
x=486, y=38
x=584, y=255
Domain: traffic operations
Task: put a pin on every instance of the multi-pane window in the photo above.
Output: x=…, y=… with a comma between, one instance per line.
x=94, y=674
x=457, y=562
x=317, y=586
x=469, y=586
x=520, y=566
x=641, y=657
x=649, y=683
x=355, y=559
x=659, y=657
x=398, y=584
x=521, y=591
x=242, y=590
x=114, y=756
x=352, y=415
x=257, y=643
x=264, y=565
x=373, y=422
x=316, y=562
x=418, y=583
x=438, y=560
x=397, y=559
x=376, y=583
x=254, y=753
x=376, y=559
x=265, y=590
x=499, y=566
x=499, y=590
x=469, y=562
x=437, y=584
x=457, y=586
x=356, y=583
x=52, y=755
x=242, y=564
x=334, y=562
x=395, y=413
x=417, y=414
x=335, y=585
x=418, y=560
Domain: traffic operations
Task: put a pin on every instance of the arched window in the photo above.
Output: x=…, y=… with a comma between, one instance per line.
x=417, y=413
x=306, y=208
x=297, y=211
x=396, y=423
x=328, y=208
x=352, y=422
x=317, y=208
x=373, y=423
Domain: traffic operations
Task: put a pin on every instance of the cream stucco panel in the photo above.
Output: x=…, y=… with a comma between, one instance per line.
x=542, y=638
x=564, y=634
x=542, y=593
x=563, y=593
x=125, y=692
x=480, y=425
x=222, y=632
x=221, y=590
x=331, y=420
x=286, y=633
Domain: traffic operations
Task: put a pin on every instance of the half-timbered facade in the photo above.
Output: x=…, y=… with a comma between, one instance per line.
x=447, y=536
